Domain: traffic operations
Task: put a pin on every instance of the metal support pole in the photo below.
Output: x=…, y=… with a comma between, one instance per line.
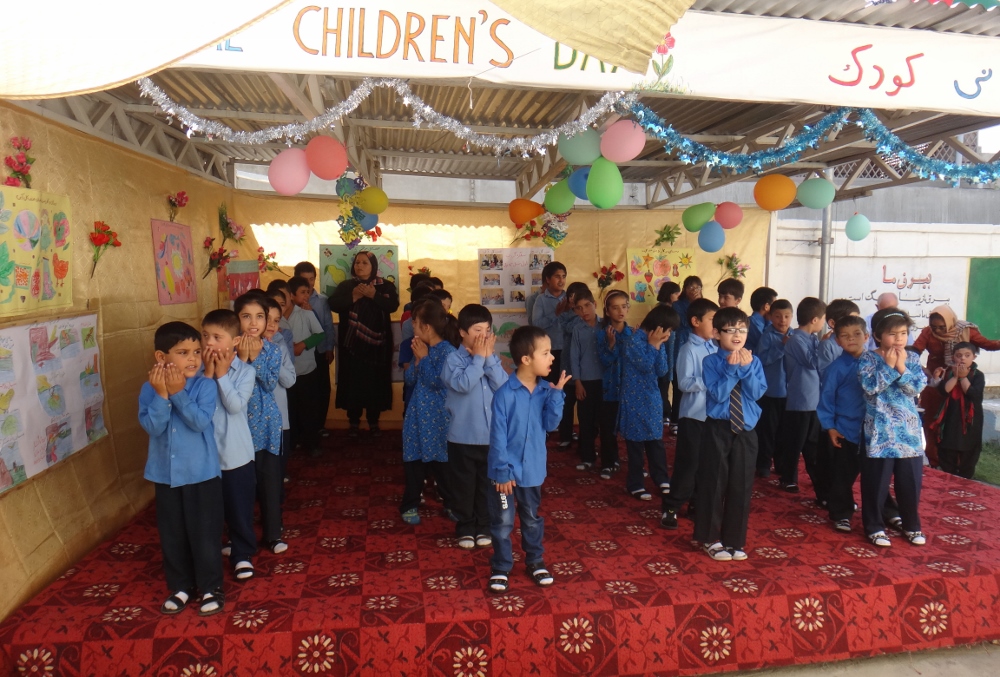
x=825, y=245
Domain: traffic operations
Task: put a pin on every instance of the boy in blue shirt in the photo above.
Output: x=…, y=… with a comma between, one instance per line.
x=235, y=380
x=587, y=376
x=472, y=374
x=523, y=409
x=699, y=345
x=829, y=346
x=799, y=425
x=324, y=350
x=176, y=408
x=734, y=381
x=760, y=302
x=771, y=351
x=546, y=314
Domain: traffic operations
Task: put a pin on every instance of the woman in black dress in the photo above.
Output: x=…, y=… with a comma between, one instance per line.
x=364, y=341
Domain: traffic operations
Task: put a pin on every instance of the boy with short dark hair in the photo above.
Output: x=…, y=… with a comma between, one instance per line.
x=734, y=381
x=176, y=407
x=324, y=350
x=305, y=409
x=444, y=296
x=545, y=314
x=829, y=347
x=771, y=351
x=523, y=409
x=730, y=293
x=760, y=302
x=587, y=371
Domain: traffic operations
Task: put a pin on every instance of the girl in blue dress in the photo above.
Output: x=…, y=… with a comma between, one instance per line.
x=612, y=334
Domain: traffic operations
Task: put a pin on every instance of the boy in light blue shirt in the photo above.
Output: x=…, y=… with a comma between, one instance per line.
x=523, y=409
x=286, y=379
x=588, y=372
x=771, y=351
x=472, y=374
x=548, y=314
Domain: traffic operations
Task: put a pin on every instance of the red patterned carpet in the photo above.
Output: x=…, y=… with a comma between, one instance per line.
x=360, y=593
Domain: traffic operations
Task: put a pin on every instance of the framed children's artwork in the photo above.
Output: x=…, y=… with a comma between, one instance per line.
x=507, y=276
x=241, y=277
x=173, y=256
x=649, y=268
x=335, y=264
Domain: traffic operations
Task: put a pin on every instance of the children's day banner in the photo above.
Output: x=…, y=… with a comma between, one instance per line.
x=173, y=257
x=650, y=267
x=51, y=395
x=508, y=276
x=36, y=252
x=335, y=264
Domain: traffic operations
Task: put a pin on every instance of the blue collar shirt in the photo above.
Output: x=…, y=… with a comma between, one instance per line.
x=841, y=399
x=720, y=378
x=318, y=302
x=182, y=447
x=689, y=375
x=471, y=380
x=771, y=351
x=232, y=430
x=611, y=361
x=829, y=350
x=585, y=364
x=286, y=376
x=543, y=316
x=757, y=326
x=802, y=371
x=517, y=431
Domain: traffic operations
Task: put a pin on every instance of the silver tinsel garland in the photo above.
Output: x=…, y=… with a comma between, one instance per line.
x=422, y=114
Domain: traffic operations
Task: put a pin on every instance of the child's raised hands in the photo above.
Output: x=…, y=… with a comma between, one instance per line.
x=208, y=357
x=223, y=360
x=157, y=379
x=420, y=349
x=243, y=349
x=174, y=379
x=658, y=337
x=563, y=380
x=491, y=344
x=746, y=357
x=733, y=358
x=889, y=355
x=612, y=335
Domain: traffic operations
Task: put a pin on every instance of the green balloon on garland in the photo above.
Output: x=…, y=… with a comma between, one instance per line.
x=696, y=216
x=559, y=199
x=857, y=227
x=816, y=193
x=605, y=186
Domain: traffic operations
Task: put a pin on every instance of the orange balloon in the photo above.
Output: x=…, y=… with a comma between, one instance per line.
x=327, y=157
x=774, y=192
x=522, y=211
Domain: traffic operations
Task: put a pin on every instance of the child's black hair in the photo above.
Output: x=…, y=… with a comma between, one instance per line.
x=575, y=288
x=689, y=282
x=839, y=308
x=225, y=319
x=761, y=297
x=276, y=285
x=522, y=342
x=550, y=269
x=584, y=295
x=607, y=300
x=304, y=267
x=699, y=307
x=966, y=345
x=474, y=314
x=430, y=312
x=732, y=287
x=270, y=304
x=441, y=295
x=296, y=283
x=664, y=317
x=781, y=304
x=667, y=289
x=251, y=298
x=170, y=334
x=888, y=319
x=418, y=278
x=277, y=293
x=808, y=310
x=848, y=321
x=420, y=291
x=729, y=317
x=451, y=333
x=435, y=282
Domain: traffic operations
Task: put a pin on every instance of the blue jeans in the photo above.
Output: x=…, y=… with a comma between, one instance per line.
x=526, y=501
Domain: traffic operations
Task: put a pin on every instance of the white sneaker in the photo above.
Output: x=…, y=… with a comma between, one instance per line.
x=916, y=537
x=717, y=551
x=737, y=554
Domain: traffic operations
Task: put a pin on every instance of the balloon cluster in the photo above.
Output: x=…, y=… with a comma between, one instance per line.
x=711, y=221
x=534, y=223
x=774, y=192
x=360, y=205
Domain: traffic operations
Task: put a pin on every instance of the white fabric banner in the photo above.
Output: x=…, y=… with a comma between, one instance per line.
x=709, y=55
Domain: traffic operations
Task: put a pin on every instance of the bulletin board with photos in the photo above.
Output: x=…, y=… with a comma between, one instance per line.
x=508, y=276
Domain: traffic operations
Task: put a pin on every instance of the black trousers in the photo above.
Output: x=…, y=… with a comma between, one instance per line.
x=589, y=410
x=324, y=387
x=306, y=411
x=675, y=403
x=907, y=475
x=684, y=482
x=725, y=482
x=415, y=472
x=664, y=384
x=799, y=436
x=239, y=490
x=469, y=487
x=354, y=417
x=566, y=423
x=961, y=463
x=189, y=519
x=609, y=433
x=844, y=469
x=286, y=449
x=269, y=483
x=654, y=454
x=771, y=409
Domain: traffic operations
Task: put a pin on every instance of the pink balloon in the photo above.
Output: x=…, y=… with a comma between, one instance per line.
x=622, y=141
x=289, y=172
x=728, y=215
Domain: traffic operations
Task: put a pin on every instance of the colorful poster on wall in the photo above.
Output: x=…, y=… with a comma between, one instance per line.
x=242, y=276
x=335, y=264
x=173, y=255
x=51, y=395
x=36, y=252
x=504, y=327
x=509, y=275
x=650, y=267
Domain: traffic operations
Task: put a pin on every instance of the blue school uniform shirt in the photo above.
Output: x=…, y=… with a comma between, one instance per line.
x=543, y=315
x=640, y=416
x=720, y=378
x=425, y=427
x=569, y=321
x=771, y=351
x=841, y=399
x=232, y=430
x=471, y=381
x=517, y=431
x=829, y=350
x=681, y=305
x=892, y=424
x=802, y=371
x=611, y=381
x=756, y=330
x=689, y=375
x=262, y=410
x=182, y=447
x=585, y=364
x=319, y=305
x=286, y=377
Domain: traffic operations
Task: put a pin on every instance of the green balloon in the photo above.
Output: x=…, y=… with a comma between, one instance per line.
x=605, y=187
x=857, y=227
x=580, y=149
x=696, y=216
x=816, y=193
x=560, y=198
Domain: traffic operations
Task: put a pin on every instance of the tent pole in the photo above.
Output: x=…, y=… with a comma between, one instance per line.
x=825, y=243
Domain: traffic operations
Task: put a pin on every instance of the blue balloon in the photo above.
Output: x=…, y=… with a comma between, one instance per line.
x=368, y=221
x=711, y=237
x=578, y=182
x=346, y=186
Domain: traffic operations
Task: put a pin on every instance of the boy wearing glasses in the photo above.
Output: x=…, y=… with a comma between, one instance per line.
x=734, y=381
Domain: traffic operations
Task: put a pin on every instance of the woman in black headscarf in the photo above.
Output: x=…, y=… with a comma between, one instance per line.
x=364, y=340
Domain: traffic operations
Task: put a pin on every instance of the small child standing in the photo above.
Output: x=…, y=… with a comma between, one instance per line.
x=691, y=425
x=472, y=374
x=286, y=379
x=545, y=314
x=734, y=381
x=760, y=302
x=829, y=346
x=771, y=351
x=644, y=360
x=425, y=427
x=669, y=293
x=176, y=407
x=959, y=423
x=690, y=290
x=612, y=335
x=892, y=379
x=523, y=409
x=307, y=415
x=587, y=372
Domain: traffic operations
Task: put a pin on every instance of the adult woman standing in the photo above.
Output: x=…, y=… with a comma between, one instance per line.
x=939, y=338
x=364, y=340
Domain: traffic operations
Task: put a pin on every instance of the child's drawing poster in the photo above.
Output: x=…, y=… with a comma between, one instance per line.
x=335, y=264
x=51, y=395
x=242, y=276
x=649, y=268
x=504, y=327
x=507, y=276
x=176, y=280
x=36, y=253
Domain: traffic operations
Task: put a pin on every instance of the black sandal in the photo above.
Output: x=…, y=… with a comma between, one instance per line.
x=498, y=581
x=214, y=597
x=540, y=575
x=243, y=571
x=177, y=602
